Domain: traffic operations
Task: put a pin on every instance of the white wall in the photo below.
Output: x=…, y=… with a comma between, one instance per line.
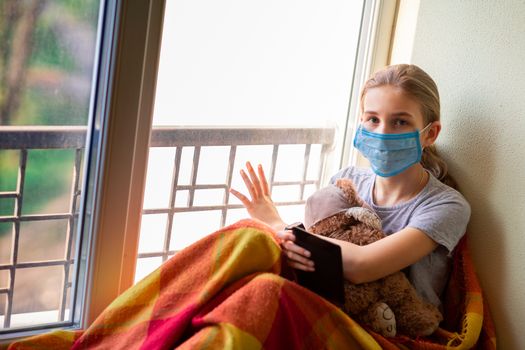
x=475, y=50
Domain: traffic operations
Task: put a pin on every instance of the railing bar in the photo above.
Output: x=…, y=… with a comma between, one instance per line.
x=16, y=236
x=289, y=183
x=275, y=154
x=324, y=153
x=305, y=169
x=201, y=187
x=31, y=264
x=69, y=231
x=229, y=176
x=194, y=171
x=42, y=137
x=225, y=187
x=64, y=137
x=39, y=217
x=173, y=197
x=8, y=194
x=42, y=326
x=4, y=290
x=210, y=207
x=155, y=254
x=206, y=136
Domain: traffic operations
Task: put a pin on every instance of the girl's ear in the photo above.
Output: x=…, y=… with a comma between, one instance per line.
x=429, y=137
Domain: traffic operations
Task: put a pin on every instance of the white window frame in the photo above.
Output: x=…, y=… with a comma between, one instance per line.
x=128, y=105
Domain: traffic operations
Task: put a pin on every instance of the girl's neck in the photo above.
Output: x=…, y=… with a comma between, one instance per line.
x=389, y=191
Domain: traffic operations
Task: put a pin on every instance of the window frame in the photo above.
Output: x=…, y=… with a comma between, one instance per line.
x=125, y=100
x=129, y=103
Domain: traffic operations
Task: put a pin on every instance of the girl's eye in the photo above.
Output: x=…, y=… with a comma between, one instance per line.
x=373, y=119
x=400, y=122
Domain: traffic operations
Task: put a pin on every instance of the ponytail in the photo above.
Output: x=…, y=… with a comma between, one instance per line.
x=432, y=161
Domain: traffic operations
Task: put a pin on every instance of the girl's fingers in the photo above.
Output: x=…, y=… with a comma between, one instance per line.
x=248, y=184
x=286, y=235
x=297, y=256
x=264, y=182
x=299, y=259
x=244, y=200
x=302, y=253
x=255, y=179
x=300, y=266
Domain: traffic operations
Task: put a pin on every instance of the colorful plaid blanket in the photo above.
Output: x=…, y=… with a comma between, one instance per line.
x=226, y=292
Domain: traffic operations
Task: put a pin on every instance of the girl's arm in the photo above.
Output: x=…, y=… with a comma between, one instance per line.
x=373, y=261
x=386, y=256
x=360, y=263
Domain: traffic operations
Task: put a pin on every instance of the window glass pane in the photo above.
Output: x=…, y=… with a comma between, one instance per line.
x=186, y=164
x=47, y=69
x=213, y=165
x=36, y=295
x=7, y=208
x=158, y=183
x=152, y=232
x=314, y=162
x=3, y=298
x=192, y=226
x=235, y=62
x=208, y=197
x=5, y=242
x=267, y=82
x=145, y=266
x=4, y=279
x=48, y=178
x=43, y=240
x=290, y=163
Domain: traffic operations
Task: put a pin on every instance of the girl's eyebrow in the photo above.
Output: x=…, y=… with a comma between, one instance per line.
x=397, y=114
x=402, y=114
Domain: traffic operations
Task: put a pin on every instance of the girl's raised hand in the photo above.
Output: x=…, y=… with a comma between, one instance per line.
x=260, y=206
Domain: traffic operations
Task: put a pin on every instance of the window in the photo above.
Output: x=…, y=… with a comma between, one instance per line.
x=266, y=82
x=47, y=67
x=110, y=151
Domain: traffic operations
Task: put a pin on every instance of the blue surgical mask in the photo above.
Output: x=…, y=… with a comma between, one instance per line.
x=389, y=154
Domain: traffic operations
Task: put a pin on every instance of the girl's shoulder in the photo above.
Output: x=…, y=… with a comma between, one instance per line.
x=437, y=190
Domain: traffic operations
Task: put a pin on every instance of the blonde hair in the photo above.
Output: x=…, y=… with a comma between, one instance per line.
x=417, y=84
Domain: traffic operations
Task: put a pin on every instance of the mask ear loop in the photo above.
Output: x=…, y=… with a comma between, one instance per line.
x=422, y=131
x=425, y=128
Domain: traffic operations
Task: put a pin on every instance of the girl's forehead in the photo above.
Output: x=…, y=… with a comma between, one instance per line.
x=391, y=100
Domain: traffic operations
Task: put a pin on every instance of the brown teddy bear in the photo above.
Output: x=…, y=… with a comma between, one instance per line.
x=385, y=304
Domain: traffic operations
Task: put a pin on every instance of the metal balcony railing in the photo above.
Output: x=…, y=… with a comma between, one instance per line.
x=27, y=138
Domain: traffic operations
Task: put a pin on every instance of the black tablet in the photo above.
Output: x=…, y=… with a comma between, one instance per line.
x=327, y=279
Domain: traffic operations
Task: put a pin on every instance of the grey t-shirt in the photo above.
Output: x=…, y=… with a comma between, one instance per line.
x=438, y=210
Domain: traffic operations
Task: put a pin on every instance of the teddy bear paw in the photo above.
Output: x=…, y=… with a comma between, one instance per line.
x=385, y=320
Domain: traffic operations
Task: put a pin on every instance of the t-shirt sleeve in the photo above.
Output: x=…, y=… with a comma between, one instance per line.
x=443, y=219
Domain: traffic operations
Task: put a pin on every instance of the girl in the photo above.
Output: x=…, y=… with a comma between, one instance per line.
x=407, y=186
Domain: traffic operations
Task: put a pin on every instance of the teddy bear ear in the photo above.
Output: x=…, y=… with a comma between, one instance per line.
x=350, y=192
x=366, y=216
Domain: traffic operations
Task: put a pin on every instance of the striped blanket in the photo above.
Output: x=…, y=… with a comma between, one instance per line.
x=226, y=292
